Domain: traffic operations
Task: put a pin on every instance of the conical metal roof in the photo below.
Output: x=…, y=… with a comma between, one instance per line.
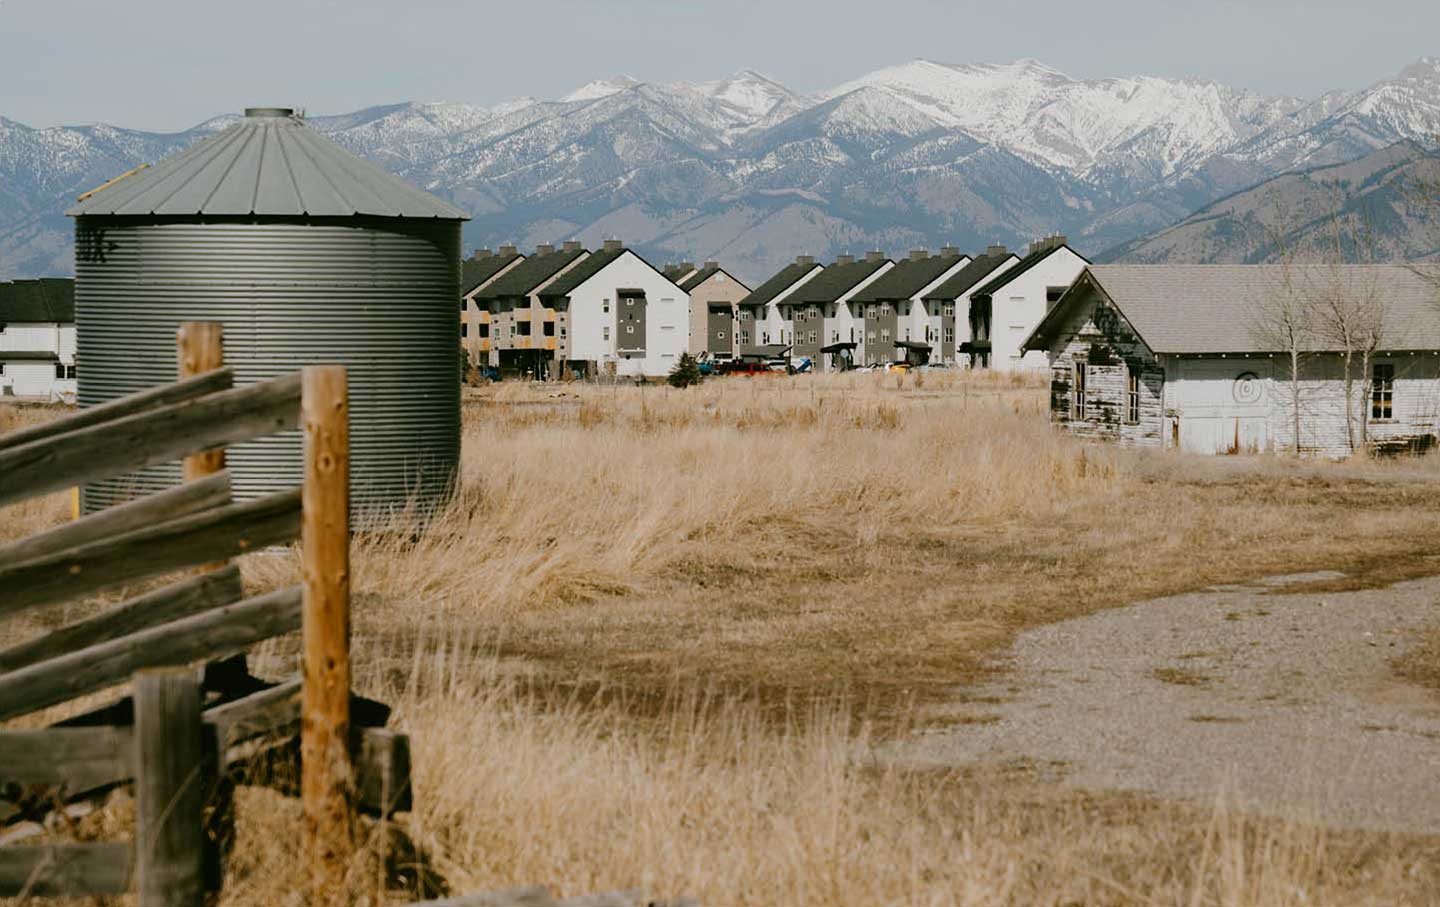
x=267, y=164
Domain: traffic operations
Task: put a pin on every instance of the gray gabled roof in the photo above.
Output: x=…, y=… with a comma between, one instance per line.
x=957, y=284
x=580, y=273
x=267, y=164
x=49, y=300
x=475, y=271
x=908, y=277
x=1194, y=309
x=1023, y=265
x=783, y=280
x=835, y=281
x=522, y=279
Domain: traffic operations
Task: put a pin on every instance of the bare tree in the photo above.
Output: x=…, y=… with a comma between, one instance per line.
x=1285, y=321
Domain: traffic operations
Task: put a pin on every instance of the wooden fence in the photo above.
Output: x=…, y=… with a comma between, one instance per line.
x=183, y=737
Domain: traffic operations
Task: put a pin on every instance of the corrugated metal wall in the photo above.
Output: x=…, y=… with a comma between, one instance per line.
x=378, y=295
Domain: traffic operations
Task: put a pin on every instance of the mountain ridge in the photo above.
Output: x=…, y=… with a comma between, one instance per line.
x=745, y=169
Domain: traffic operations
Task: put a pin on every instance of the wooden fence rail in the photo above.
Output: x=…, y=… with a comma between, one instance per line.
x=176, y=753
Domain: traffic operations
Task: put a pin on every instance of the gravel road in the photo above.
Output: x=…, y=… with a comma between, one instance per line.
x=1282, y=702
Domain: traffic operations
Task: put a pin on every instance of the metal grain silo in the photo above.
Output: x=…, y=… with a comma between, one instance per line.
x=306, y=254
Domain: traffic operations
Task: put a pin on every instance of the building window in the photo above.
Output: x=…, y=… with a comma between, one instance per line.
x=1132, y=396
x=629, y=301
x=1052, y=296
x=605, y=332
x=948, y=310
x=884, y=335
x=1077, y=390
x=605, y=307
x=1382, y=391
x=884, y=309
x=512, y=329
x=765, y=338
x=869, y=311
x=464, y=329
x=813, y=337
x=949, y=336
x=629, y=328
x=562, y=330
x=484, y=329
x=549, y=329
x=872, y=336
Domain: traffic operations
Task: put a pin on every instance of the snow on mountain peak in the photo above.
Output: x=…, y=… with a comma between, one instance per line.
x=601, y=88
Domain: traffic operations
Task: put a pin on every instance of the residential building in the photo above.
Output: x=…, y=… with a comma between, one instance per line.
x=759, y=329
x=621, y=316
x=37, y=339
x=526, y=335
x=890, y=320
x=1007, y=307
x=477, y=273
x=1179, y=356
x=816, y=311
x=971, y=347
x=713, y=293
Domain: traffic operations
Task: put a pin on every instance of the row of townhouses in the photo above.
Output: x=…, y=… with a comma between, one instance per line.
x=569, y=311
x=37, y=340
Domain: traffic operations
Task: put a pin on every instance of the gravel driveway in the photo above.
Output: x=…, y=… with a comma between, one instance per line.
x=1283, y=702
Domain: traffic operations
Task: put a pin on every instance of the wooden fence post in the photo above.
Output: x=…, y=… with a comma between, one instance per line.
x=200, y=348
x=169, y=789
x=326, y=777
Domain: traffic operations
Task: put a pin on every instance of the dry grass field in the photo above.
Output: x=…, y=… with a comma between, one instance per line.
x=655, y=637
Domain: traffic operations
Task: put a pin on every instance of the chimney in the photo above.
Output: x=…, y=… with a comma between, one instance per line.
x=687, y=266
x=481, y=254
x=996, y=249
x=544, y=249
x=613, y=245
x=875, y=255
x=949, y=251
x=711, y=264
x=919, y=254
x=1057, y=240
x=804, y=259
x=509, y=249
x=844, y=259
x=572, y=245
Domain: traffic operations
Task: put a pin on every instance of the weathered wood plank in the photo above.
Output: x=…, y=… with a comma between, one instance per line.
x=216, y=633
x=148, y=399
x=269, y=711
x=146, y=438
x=57, y=870
x=327, y=777
x=169, y=789
x=382, y=771
x=79, y=758
x=192, y=497
x=155, y=550
x=182, y=599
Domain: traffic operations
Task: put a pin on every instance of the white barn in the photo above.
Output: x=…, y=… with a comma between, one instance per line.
x=1183, y=356
x=625, y=317
x=37, y=340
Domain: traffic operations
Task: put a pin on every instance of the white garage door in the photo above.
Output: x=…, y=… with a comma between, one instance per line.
x=1224, y=405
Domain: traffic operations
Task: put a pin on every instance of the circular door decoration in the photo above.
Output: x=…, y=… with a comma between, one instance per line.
x=1247, y=388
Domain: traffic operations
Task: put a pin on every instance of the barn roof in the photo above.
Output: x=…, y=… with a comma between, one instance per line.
x=1190, y=309
x=44, y=301
x=269, y=163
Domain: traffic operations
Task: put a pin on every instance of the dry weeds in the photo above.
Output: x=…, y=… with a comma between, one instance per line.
x=651, y=641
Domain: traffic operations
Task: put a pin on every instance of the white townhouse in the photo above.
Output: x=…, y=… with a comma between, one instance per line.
x=1007, y=307
x=1179, y=356
x=37, y=340
x=892, y=321
x=970, y=346
x=759, y=328
x=811, y=311
x=625, y=317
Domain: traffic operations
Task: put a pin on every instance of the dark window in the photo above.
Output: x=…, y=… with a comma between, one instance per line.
x=1077, y=390
x=1052, y=296
x=484, y=329
x=549, y=329
x=1382, y=391
x=464, y=329
x=1132, y=396
x=524, y=328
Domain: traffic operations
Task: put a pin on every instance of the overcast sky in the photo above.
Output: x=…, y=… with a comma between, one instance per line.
x=168, y=64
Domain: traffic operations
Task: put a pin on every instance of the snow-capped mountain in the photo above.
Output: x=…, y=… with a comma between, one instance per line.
x=747, y=170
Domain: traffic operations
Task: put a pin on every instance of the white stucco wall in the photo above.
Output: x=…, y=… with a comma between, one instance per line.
x=667, y=318
x=1018, y=306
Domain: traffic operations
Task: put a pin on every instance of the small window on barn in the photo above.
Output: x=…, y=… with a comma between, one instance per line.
x=1132, y=396
x=1077, y=390
x=1382, y=391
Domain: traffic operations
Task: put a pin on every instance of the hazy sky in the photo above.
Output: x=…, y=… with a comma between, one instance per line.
x=168, y=64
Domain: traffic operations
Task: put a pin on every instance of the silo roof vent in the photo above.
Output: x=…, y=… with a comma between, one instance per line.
x=267, y=164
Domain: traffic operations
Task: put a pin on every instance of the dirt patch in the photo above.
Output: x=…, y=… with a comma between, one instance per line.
x=1293, y=710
